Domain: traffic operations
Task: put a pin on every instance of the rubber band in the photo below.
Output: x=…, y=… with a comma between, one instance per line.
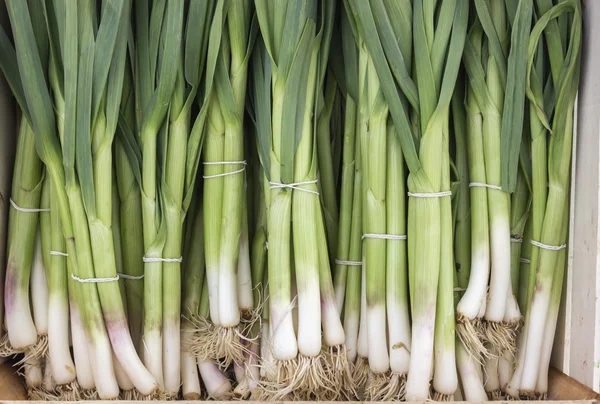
x=59, y=253
x=429, y=194
x=157, y=259
x=524, y=261
x=548, y=247
x=267, y=245
x=26, y=210
x=349, y=263
x=294, y=185
x=483, y=185
x=383, y=236
x=131, y=277
x=516, y=240
x=209, y=163
x=95, y=280
x=460, y=289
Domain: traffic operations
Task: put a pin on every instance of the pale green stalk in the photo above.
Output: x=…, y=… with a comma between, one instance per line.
x=519, y=215
x=559, y=174
x=524, y=266
x=42, y=117
x=193, y=278
x=346, y=204
x=231, y=92
x=61, y=362
x=352, y=300
x=213, y=202
x=327, y=184
x=22, y=227
x=131, y=219
x=396, y=283
x=374, y=148
x=156, y=83
x=462, y=229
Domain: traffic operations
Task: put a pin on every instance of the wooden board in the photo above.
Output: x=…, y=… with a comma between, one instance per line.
x=561, y=389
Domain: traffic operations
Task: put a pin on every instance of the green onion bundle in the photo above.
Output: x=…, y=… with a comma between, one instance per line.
x=288, y=200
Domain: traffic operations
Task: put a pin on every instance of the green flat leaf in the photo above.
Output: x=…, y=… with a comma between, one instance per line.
x=39, y=103
x=110, y=26
x=8, y=64
x=262, y=104
x=514, y=99
x=397, y=58
x=494, y=41
x=294, y=101
x=366, y=25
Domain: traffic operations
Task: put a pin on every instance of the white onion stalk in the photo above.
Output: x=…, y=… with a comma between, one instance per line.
x=469, y=369
x=398, y=314
x=32, y=368
x=81, y=355
x=353, y=295
x=374, y=149
x=61, y=362
x=216, y=383
x=244, y=272
x=445, y=378
x=469, y=309
x=505, y=369
x=491, y=380
x=551, y=322
x=39, y=290
x=190, y=380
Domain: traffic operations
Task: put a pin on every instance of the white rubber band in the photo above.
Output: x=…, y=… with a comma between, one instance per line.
x=131, y=277
x=516, y=240
x=349, y=263
x=524, y=261
x=548, y=247
x=211, y=163
x=26, y=210
x=267, y=245
x=95, y=280
x=295, y=185
x=482, y=185
x=157, y=259
x=460, y=289
x=383, y=236
x=59, y=253
x=430, y=194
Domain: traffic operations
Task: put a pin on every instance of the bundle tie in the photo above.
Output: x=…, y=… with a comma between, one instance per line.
x=429, y=194
x=27, y=210
x=94, y=280
x=59, y=253
x=383, y=236
x=131, y=277
x=294, y=185
x=212, y=163
x=548, y=247
x=158, y=259
x=460, y=289
x=349, y=263
x=484, y=185
x=516, y=240
x=524, y=260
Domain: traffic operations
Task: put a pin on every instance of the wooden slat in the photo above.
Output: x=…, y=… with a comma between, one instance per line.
x=562, y=389
x=11, y=386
